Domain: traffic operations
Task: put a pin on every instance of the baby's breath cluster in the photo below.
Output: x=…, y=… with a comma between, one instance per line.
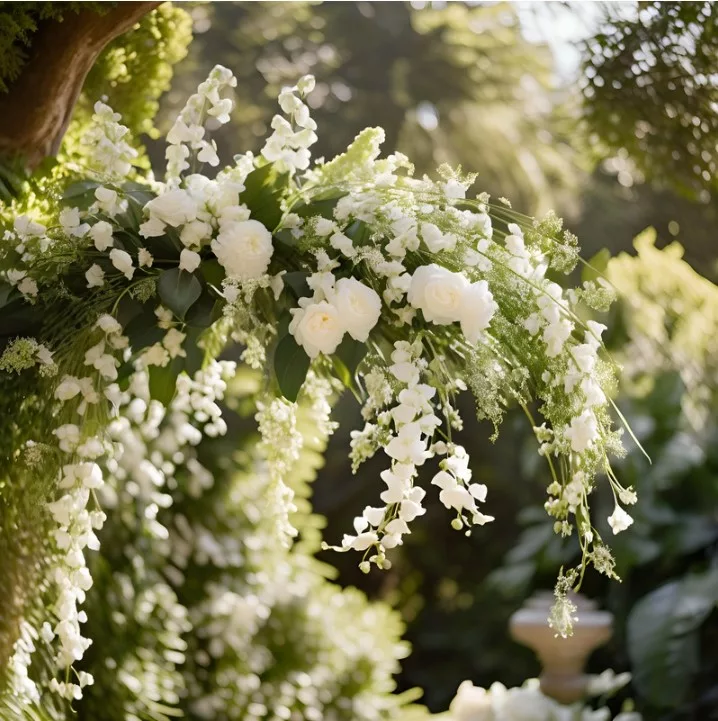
x=408, y=291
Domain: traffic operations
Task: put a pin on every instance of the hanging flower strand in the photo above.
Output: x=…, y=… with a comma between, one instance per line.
x=404, y=289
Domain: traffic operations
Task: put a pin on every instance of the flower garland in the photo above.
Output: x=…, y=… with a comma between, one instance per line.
x=402, y=288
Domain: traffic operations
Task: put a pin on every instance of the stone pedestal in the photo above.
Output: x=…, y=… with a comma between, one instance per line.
x=562, y=659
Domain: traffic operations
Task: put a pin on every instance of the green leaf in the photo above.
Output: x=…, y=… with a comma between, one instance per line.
x=5, y=291
x=285, y=237
x=212, y=272
x=347, y=358
x=297, y=281
x=263, y=190
x=663, y=637
x=358, y=231
x=291, y=364
x=80, y=194
x=324, y=207
x=163, y=380
x=178, y=290
x=143, y=331
x=195, y=354
x=204, y=312
x=596, y=267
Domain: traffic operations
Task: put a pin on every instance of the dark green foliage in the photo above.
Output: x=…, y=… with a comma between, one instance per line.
x=663, y=637
x=650, y=90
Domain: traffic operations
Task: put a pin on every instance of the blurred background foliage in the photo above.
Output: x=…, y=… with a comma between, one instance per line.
x=623, y=139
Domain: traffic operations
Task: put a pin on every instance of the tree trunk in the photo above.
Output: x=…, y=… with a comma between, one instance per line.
x=35, y=113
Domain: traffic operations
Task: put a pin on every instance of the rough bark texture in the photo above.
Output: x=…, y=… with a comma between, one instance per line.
x=35, y=113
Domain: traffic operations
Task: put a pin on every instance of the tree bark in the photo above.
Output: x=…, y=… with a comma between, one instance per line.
x=35, y=113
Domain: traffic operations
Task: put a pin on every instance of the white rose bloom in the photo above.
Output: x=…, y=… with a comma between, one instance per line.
x=359, y=307
x=189, y=260
x=244, y=249
x=471, y=703
x=318, y=328
x=122, y=260
x=438, y=293
x=478, y=309
x=95, y=276
x=174, y=208
x=619, y=520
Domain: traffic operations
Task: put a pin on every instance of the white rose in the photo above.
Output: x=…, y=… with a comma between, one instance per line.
x=122, y=260
x=435, y=240
x=244, y=249
x=471, y=703
x=101, y=233
x=174, y=208
x=438, y=293
x=359, y=307
x=95, y=276
x=318, y=328
x=478, y=307
x=189, y=260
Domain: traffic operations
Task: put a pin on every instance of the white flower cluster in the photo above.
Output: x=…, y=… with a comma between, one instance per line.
x=29, y=239
x=79, y=481
x=23, y=687
x=528, y=703
x=337, y=307
x=406, y=431
x=288, y=146
x=280, y=447
x=108, y=153
x=187, y=135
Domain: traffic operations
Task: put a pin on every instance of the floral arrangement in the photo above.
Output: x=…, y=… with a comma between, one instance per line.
x=403, y=289
x=220, y=620
x=528, y=703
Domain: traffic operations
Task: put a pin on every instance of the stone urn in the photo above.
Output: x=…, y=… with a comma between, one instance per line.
x=562, y=659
